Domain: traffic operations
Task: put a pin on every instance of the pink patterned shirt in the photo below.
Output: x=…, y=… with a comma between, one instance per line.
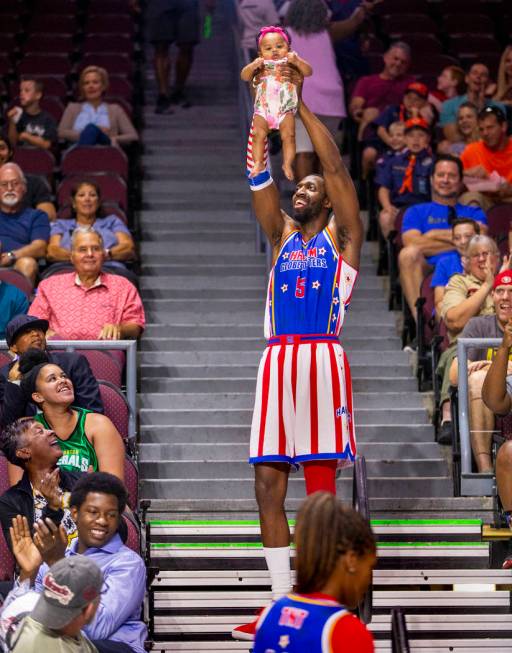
x=78, y=313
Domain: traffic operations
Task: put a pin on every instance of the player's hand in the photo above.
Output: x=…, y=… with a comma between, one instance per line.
x=507, y=334
x=110, y=332
x=474, y=366
x=289, y=73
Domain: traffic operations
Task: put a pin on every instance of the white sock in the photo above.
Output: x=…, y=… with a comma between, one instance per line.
x=278, y=563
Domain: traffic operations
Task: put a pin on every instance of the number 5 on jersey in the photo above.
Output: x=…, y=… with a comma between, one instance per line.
x=300, y=288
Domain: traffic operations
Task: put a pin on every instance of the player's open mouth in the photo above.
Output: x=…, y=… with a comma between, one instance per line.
x=299, y=203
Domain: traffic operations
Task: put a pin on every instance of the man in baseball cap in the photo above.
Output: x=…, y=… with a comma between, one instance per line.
x=69, y=600
x=29, y=332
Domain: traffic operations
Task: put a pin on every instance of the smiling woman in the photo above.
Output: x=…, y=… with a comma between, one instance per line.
x=89, y=441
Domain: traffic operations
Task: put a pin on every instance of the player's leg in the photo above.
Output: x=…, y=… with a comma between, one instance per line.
x=259, y=135
x=287, y=131
x=271, y=483
x=320, y=476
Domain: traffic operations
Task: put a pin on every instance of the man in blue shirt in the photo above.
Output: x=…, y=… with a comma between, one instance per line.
x=404, y=179
x=477, y=80
x=24, y=233
x=463, y=230
x=426, y=228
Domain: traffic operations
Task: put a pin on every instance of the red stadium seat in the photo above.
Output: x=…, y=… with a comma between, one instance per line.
x=113, y=188
x=38, y=64
x=53, y=106
x=431, y=65
x=6, y=558
x=463, y=23
x=49, y=43
x=119, y=43
x=56, y=7
x=121, y=87
x=402, y=24
x=116, y=99
x=133, y=531
x=131, y=481
x=35, y=161
x=54, y=23
x=103, y=366
x=401, y=7
x=462, y=7
x=5, y=359
x=86, y=159
x=423, y=43
x=10, y=24
x=8, y=43
x=466, y=45
x=103, y=23
x=499, y=219
x=116, y=64
x=5, y=64
x=108, y=6
x=19, y=280
x=116, y=407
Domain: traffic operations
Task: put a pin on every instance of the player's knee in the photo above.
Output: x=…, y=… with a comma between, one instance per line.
x=269, y=491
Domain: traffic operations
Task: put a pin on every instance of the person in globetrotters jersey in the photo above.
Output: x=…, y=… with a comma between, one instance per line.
x=303, y=406
x=336, y=554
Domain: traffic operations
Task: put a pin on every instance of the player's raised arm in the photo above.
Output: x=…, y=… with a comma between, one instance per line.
x=338, y=186
x=265, y=203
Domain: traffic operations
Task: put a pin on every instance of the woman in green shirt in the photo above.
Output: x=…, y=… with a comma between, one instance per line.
x=89, y=441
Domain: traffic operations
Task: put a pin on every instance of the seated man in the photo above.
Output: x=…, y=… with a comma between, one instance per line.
x=29, y=332
x=466, y=295
x=488, y=162
x=479, y=361
x=477, y=80
x=89, y=304
x=404, y=179
x=43, y=490
x=97, y=504
x=463, y=230
x=24, y=233
x=28, y=123
x=426, y=228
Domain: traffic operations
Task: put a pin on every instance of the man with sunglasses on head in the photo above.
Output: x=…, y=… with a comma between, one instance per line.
x=488, y=162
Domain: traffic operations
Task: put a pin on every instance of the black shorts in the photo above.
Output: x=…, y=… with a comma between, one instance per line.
x=177, y=23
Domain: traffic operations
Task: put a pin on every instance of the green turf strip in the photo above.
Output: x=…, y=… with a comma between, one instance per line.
x=258, y=545
x=374, y=522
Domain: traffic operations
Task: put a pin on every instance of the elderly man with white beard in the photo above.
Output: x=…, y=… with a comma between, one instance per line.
x=24, y=233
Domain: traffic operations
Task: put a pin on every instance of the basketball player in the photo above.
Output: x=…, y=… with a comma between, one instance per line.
x=303, y=407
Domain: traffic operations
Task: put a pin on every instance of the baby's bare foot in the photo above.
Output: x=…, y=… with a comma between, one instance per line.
x=256, y=169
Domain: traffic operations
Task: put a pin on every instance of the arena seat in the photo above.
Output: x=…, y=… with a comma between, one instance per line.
x=89, y=159
x=499, y=219
x=133, y=532
x=100, y=43
x=35, y=161
x=103, y=366
x=54, y=23
x=5, y=64
x=423, y=43
x=394, y=245
x=49, y=43
x=432, y=64
x=8, y=44
x=116, y=64
x=466, y=45
x=116, y=407
x=56, y=7
x=108, y=6
x=10, y=24
x=398, y=25
x=401, y=7
x=110, y=24
x=19, y=280
x=457, y=24
x=131, y=481
x=51, y=64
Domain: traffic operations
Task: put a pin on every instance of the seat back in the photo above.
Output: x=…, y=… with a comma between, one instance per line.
x=35, y=161
x=133, y=534
x=17, y=279
x=499, y=219
x=6, y=558
x=428, y=311
x=131, y=481
x=116, y=407
x=103, y=366
x=91, y=159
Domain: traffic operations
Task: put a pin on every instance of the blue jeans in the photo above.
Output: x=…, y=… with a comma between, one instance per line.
x=92, y=135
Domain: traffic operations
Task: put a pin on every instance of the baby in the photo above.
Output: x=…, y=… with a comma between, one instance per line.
x=276, y=99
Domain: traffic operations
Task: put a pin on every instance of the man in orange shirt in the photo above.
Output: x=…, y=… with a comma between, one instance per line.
x=491, y=154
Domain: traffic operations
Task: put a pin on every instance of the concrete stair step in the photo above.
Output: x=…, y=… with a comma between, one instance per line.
x=177, y=417
x=252, y=358
x=233, y=234
x=230, y=468
x=223, y=291
x=229, y=370
x=164, y=384
x=359, y=307
x=209, y=490
x=248, y=330
x=257, y=344
x=216, y=217
x=259, y=282
x=206, y=248
x=233, y=400
x=402, y=433
x=193, y=203
x=186, y=263
x=201, y=452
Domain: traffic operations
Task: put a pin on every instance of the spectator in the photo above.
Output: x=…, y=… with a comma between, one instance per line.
x=28, y=332
x=13, y=302
x=252, y=16
x=24, y=233
x=88, y=304
x=488, y=162
x=94, y=121
x=403, y=179
x=477, y=81
x=28, y=123
x=504, y=86
x=463, y=230
x=87, y=212
x=97, y=504
x=44, y=489
x=56, y=624
x=479, y=361
x=312, y=37
x=450, y=84
x=89, y=441
x=336, y=553
x=466, y=295
x=175, y=22
x=373, y=93
x=38, y=194
x=414, y=105
x=467, y=126
x=426, y=228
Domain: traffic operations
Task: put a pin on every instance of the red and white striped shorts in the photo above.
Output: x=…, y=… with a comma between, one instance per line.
x=303, y=405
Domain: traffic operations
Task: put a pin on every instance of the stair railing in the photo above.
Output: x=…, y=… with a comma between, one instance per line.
x=471, y=483
x=399, y=634
x=361, y=503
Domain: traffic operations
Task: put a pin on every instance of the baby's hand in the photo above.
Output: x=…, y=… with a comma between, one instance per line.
x=258, y=63
x=292, y=58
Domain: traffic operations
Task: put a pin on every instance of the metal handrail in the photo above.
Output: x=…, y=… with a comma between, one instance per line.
x=399, y=634
x=360, y=502
x=129, y=346
x=472, y=484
